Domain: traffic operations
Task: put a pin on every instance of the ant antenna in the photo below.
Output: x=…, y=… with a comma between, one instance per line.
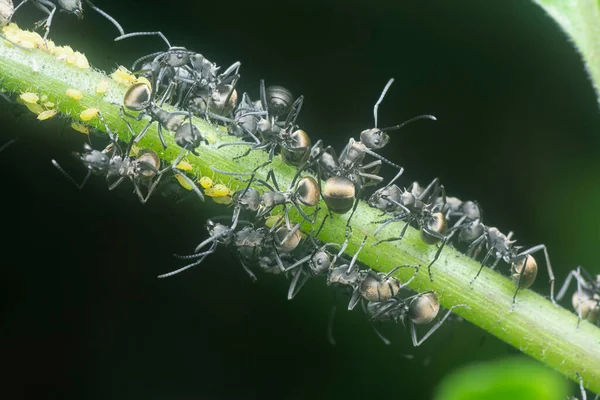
x=69, y=177
x=5, y=145
x=385, y=89
x=133, y=34
x=105, y=15
x=402, y=125
x=396, y=177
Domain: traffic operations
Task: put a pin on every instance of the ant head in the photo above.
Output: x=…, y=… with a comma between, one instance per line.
x=72, y=6
x=374, y=138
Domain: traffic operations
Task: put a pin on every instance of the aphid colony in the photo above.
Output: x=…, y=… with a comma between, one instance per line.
x=260, y=233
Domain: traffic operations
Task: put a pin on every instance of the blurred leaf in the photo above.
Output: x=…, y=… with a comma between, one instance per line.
x=580, y=20
x=515, y=378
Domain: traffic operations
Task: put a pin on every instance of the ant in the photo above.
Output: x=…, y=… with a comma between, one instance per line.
x=70, y=6
x=419, y=309
x=586, y=300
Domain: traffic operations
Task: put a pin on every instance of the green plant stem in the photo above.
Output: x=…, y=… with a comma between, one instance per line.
x=536, y=326
x=580, y=20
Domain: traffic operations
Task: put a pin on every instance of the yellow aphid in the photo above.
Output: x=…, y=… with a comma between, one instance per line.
x=222, y=200
x=74, y=94
x=102, y=87
x=219, y=190
x=78, y=60
x=184, y=166
x=48, y=104
x=62, y=52
x=29, y=97
x=143, y=79
x=80, y=128
x=123, y=76
x=27, y=44
x=34, y=108
x=44, y=115
x=10, y=28
x=89, y=114
x=183, y=182
x=33, y=38
x=206, y=182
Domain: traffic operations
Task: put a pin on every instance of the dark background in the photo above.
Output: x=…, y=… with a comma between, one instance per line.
x=83, y=313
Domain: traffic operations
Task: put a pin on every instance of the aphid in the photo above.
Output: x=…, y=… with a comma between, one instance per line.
x=89, y=114
x=78, y=60
x=47, y=114
x=183, y=182
x=586, y=299
x=218, y=190
x=271, y=133
x=29, y=97
x=70, y=6
x=74, y=94
x=184, y=166
x=62, y=52
x=102, y=87
x=206, y=182
x=80, y=128
x=418, y=309
x=421, y=210
x=247, y=242
x=500, y=247
x=35, y=108
x=123, y=76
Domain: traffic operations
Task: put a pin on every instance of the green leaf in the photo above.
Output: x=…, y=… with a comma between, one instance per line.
x=580, y=20
x=515, y=378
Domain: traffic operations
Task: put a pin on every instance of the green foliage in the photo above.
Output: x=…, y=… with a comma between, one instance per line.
x=580, y=20
x=515, y=378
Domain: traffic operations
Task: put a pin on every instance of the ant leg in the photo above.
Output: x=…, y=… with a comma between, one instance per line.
x=353, y=261
x=295, y=286
x=579, y=295
x=48, y=21
x=573, y=274
x=413, y=330
x=402, y=233
x=356, y=297
x=439, y=250
x=409, y=280
x=487, y=256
